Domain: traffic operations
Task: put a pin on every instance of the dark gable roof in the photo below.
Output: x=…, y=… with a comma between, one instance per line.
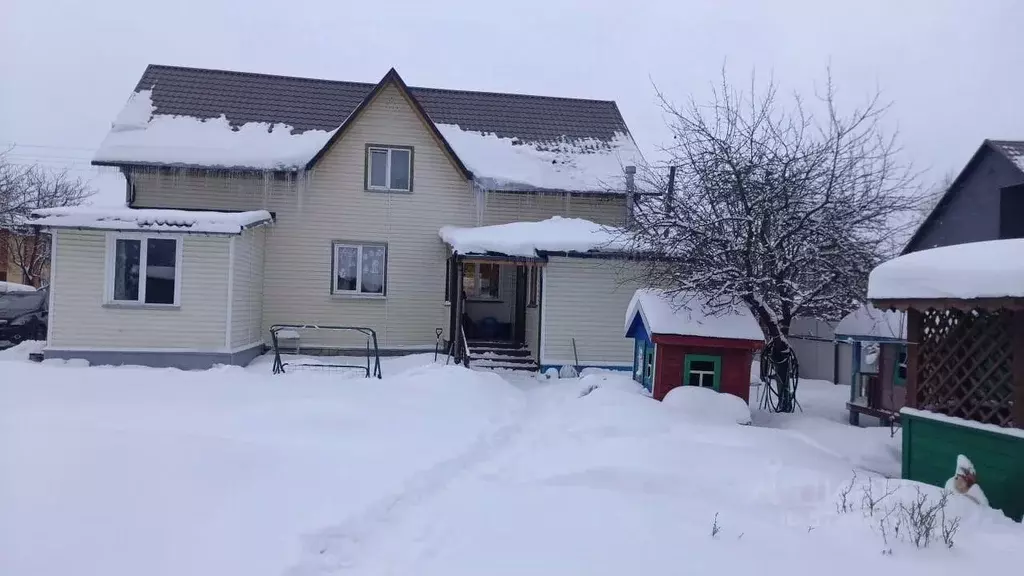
x=308, y=104
x=1013, y=150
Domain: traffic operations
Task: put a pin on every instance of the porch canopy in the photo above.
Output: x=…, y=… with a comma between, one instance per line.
x=965, y=328
x=869, y=324
x=535, y=240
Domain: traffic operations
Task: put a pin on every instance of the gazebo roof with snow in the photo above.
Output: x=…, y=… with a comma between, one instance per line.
x=658, y=313
x=979, y=274
x=869, y=324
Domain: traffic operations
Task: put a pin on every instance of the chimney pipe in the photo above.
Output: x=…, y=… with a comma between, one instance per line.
x=630, y=192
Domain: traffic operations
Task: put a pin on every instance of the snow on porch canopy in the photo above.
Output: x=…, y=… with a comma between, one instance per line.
x=689, y=315
x=149, y=220
x=533, y=239
x=870, y=323
x=992, y=269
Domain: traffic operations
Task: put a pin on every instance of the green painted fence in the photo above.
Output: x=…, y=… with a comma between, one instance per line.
x=931, y=445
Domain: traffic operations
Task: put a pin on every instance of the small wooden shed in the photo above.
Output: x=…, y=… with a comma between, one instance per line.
x=878, y=339
x=965, y=369
x=678, y=341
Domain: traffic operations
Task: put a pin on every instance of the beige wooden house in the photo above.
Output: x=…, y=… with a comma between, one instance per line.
x=255, y=200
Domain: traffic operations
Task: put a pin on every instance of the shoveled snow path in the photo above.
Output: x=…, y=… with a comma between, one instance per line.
x=345, y=546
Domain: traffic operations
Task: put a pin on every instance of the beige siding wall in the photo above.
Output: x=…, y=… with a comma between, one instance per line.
x=79, y=318
x=331, y=204
x=247, y=291
x=586, y=299
x=504, y=207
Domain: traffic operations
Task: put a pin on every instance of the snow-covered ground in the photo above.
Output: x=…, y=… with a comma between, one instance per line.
x=434, y=470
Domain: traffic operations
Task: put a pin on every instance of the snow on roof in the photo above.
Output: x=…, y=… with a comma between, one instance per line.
x=149, y=219
x=870, y=322
x=992, y=269
x=689, y=315
x=15, y=287
x=555, y=234
x=510, y=164
x=140, y=136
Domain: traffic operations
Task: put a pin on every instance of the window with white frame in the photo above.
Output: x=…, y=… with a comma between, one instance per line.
x=144, y=270
x=389, y=168
x=481, y=281
x=359, y=268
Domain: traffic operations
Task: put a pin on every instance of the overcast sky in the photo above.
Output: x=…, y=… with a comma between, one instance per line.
x=952, y=69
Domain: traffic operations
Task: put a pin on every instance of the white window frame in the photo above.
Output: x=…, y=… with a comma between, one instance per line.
x=111, y=261
x=370, y=149
x=335, y=246
x=705, y=376
x=476, y=283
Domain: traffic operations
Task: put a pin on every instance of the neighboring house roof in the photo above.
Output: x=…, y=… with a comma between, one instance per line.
x=870, y=323
x=223, y=119
x=150, y=220
x=689, y=315
x=991, y=269
x=1013, y=150
x=533, y=239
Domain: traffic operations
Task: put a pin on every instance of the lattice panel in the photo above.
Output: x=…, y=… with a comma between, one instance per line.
x=965, y=366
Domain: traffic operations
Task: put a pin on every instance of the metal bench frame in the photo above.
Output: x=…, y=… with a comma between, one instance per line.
x=371, y=335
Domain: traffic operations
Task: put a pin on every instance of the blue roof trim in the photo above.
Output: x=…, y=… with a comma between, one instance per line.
x=638, y=329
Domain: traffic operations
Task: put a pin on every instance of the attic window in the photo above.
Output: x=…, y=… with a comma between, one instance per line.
x=389, y=168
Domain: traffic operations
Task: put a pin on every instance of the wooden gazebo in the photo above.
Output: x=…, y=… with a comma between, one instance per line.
x=965, y=363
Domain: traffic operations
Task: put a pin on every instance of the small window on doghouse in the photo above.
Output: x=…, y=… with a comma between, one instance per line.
x=702, y=371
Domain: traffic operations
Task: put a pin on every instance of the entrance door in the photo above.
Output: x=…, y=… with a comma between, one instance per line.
x=648, y=366
x=703, y=371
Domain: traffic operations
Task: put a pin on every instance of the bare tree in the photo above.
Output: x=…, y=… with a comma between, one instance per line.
x=776, y=208
x=24, y=188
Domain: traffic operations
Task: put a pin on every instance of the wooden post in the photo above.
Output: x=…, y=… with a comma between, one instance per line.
x=914, y=336
x=1018, y=369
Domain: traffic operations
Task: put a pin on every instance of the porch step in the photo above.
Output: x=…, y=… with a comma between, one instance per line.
x=495, y=344
x=524, y=364
x=491, y=354
x=507, y=359
x=483, y=352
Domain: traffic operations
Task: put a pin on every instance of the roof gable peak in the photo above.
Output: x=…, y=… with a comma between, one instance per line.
x=393, y=77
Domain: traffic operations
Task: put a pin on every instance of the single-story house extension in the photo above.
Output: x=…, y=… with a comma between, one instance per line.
x=255, y=200
x=678, y=340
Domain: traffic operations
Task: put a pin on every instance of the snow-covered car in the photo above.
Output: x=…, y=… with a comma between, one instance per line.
x=23, y=316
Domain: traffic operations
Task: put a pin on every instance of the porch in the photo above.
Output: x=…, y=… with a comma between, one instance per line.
x=495, y=316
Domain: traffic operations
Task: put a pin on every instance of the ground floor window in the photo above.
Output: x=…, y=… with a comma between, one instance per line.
x=144, y=270
x=703, y=371
x=481, y=281
x=359, y=268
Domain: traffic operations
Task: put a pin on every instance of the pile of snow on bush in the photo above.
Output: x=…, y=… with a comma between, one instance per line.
x=706, y=405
